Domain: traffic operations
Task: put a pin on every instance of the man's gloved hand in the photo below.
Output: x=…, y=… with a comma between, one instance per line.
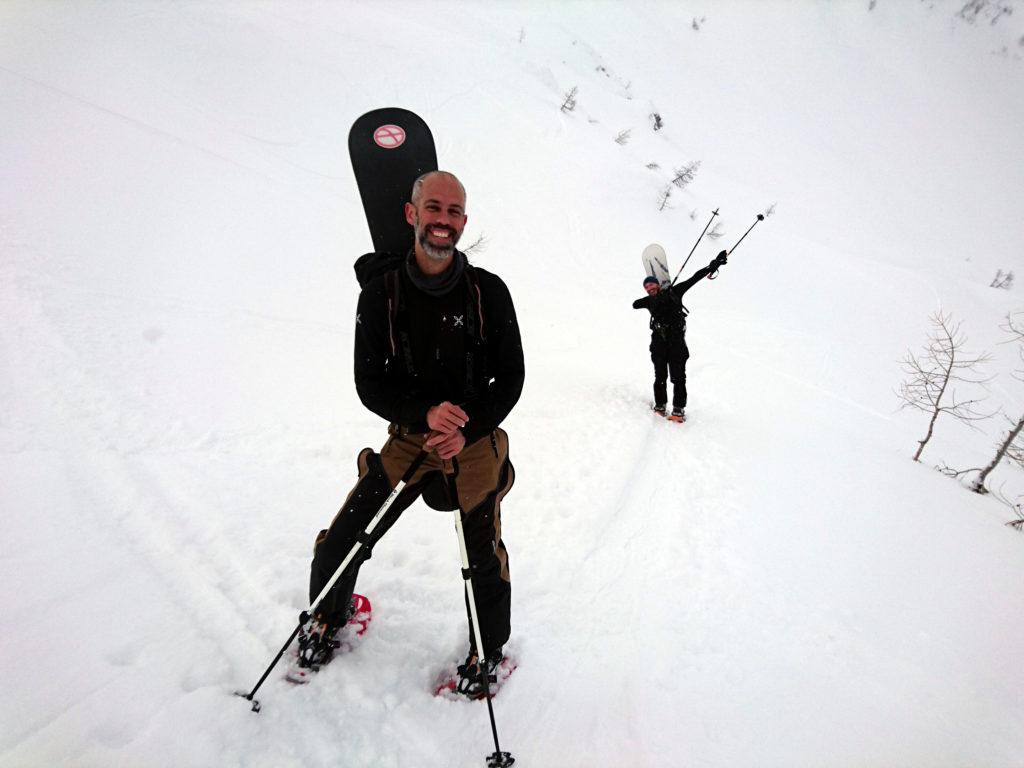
x=719, y=260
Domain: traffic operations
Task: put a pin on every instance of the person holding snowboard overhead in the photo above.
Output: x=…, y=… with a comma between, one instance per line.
x=438, y=354
x=668, y=336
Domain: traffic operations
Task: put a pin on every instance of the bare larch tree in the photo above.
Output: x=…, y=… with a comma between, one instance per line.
x=685, y=174
x=1012, y=446
x=1002, y=280
x=933, y=376
x=569, y=101
x=666, y=193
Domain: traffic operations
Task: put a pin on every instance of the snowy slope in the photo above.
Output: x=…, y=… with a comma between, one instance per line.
x=774, y=584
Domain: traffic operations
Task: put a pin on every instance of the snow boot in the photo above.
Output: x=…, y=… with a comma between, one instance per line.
x=468, y=674
x=677, y=415
x=659, y=408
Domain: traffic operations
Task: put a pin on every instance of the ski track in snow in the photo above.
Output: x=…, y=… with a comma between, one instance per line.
x=135, y=518
x=679, y=519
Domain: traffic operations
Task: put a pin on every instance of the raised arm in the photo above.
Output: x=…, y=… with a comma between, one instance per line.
x=680, y=288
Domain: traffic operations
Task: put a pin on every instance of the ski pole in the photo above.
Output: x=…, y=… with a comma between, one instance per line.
x=499, y=759
x=713, y=214
x=760, y=217
x=362, y=542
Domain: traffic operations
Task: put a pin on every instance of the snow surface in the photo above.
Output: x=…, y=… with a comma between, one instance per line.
x=775, y=583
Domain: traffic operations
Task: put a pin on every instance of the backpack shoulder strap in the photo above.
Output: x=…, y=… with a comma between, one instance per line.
x=391, y=287
x=476, y=305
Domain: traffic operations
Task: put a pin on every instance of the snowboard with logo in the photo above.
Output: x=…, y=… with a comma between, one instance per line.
x=390, y=148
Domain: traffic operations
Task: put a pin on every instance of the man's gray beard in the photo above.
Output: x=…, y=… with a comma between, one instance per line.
x=434, y=253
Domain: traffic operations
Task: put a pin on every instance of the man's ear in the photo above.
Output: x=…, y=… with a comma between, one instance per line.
x=410, y=214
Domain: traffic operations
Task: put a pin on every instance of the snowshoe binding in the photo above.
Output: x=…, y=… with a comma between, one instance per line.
x=320, y=640
x=465, y=683
x=677, y=416
x=659, y=409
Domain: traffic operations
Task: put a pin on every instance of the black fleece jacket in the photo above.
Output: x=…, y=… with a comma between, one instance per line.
x=436, y=348
x=666, y=306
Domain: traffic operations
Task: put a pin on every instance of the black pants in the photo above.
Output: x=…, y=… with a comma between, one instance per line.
x=669, y=355
x=483, y=475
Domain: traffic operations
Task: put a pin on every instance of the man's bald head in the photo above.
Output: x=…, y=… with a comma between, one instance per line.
x=417, y=186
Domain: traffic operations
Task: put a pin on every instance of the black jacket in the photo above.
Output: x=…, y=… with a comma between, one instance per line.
x=666, y=306
x=463, y=347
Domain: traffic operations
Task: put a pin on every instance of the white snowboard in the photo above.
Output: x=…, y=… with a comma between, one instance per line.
x=656, y=263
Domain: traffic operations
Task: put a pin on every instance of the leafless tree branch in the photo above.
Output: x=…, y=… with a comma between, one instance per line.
x=955, y=473
x=685, y=174
x=666, y=193
x=569, y=101
x=931, y=376
x=477, y=246
x=1002, y=280
x=1012, y=445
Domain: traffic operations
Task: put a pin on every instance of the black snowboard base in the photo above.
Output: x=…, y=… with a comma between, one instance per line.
x=390, y=148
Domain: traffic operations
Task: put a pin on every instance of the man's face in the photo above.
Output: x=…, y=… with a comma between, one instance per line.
x=652, y=288
x=439, y=216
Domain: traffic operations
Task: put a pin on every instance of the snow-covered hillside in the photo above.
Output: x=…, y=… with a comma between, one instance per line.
x=775, y=583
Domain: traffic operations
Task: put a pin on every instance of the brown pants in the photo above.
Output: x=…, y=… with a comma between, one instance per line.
x=482, y=476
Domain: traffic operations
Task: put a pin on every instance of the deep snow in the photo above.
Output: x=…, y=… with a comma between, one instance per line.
x=774, y=584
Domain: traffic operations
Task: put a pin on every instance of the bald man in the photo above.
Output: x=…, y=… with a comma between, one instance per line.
x=438, y=355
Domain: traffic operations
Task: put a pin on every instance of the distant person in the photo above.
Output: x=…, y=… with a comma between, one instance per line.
x=438, y=355
x=668, y=336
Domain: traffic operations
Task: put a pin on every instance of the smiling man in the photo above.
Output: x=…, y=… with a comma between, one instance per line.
x=438, y=355
x=442, y=199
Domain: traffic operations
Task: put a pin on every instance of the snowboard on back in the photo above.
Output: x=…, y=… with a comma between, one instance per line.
x=656, y=264
x=390, y=148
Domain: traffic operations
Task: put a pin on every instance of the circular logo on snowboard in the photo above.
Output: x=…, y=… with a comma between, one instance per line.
x=389, y=136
